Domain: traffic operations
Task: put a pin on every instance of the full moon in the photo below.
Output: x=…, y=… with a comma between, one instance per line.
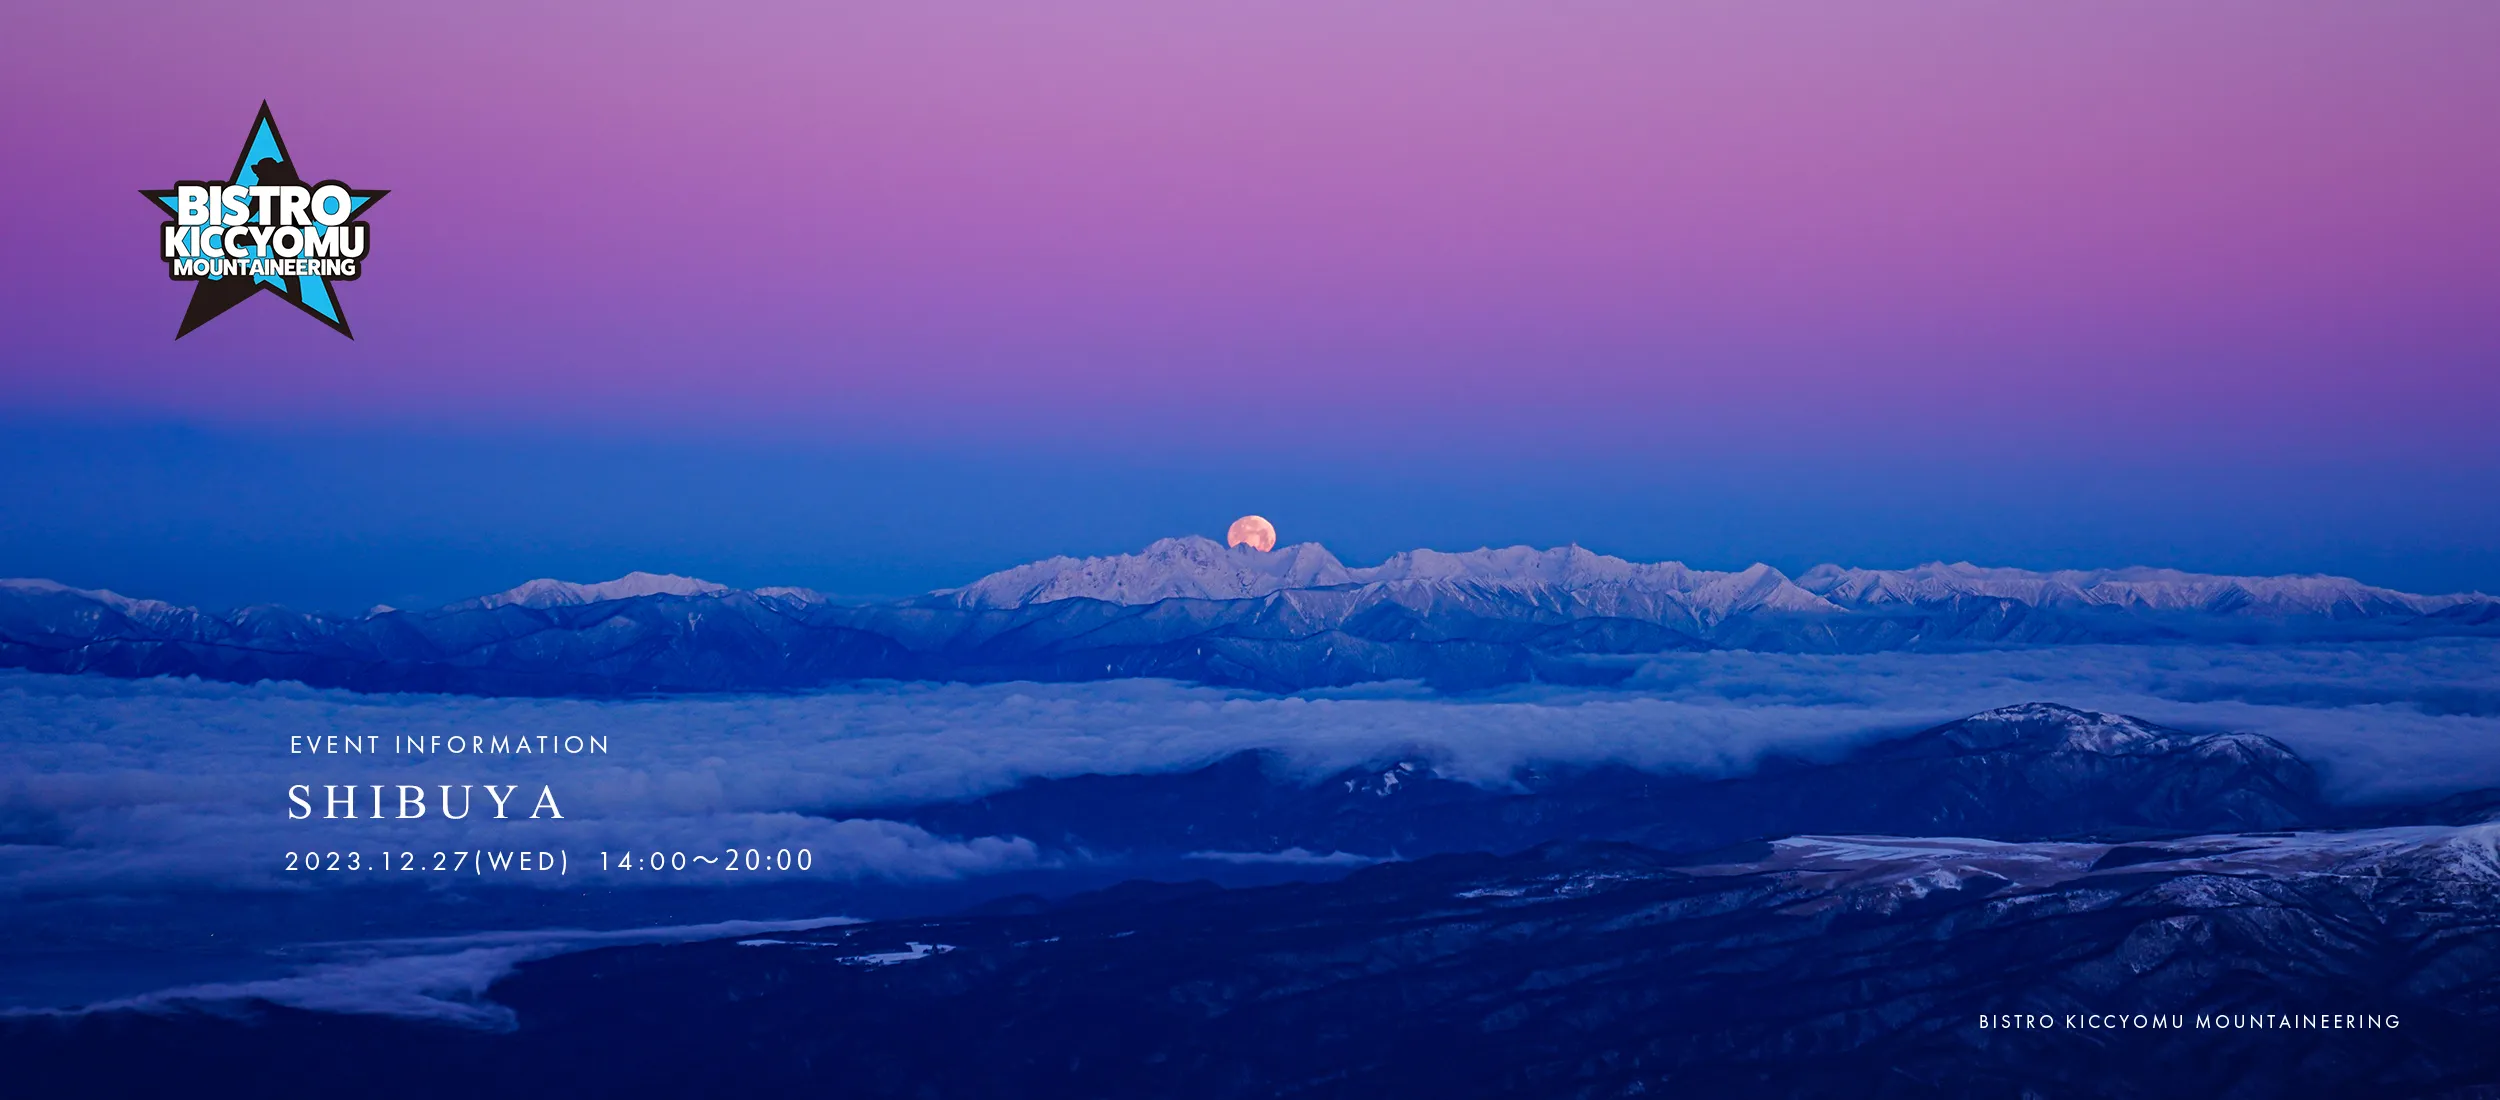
x=1254, y=532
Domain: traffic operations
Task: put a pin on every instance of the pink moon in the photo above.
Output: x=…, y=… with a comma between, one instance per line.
x=1254, y=532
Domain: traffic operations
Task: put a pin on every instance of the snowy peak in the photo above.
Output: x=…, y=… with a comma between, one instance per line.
x=1565, y=566
x=547, y=592
x=793, y=594
x=1756, y=588
x=2037, y=728
x=2055, y=728
x=134, y=608
x=1194, y=567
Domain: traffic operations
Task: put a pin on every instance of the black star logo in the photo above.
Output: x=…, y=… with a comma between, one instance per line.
x=265, y=162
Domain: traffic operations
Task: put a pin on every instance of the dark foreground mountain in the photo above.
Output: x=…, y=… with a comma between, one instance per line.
x=2268, y=965
x=1191, y=610
x=2033, y=771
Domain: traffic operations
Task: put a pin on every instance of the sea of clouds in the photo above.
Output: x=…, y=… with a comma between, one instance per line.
x=161, y=804
x=118, y=783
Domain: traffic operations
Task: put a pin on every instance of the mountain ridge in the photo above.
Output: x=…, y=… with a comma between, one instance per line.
x=1198, y=567
x=1188, y=609
x=2024, y=772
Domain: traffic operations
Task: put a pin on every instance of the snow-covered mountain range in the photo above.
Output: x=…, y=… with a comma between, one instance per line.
x=1196, y=567
x=1201, y=568
x=1192, y=609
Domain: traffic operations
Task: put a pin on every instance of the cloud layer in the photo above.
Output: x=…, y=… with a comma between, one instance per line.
x=125, y=798
x=135, y=781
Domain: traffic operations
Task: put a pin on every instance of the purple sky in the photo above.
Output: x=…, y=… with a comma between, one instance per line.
x=2125, y=234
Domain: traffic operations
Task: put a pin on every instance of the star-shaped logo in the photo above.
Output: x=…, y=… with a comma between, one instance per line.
x=264, y=228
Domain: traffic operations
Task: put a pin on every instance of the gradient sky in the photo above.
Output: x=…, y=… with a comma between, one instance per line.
x=901, y=290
